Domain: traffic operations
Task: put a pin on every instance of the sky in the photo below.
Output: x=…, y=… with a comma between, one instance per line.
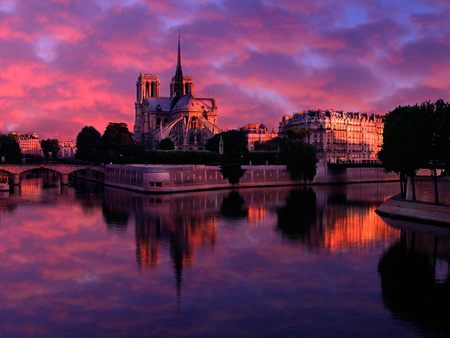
x=65, y=64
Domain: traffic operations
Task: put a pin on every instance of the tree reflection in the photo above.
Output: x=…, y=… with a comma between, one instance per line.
x=409, y=285
x=115, y=218
x=87, y=194
x=296, y=219
x=233, y=206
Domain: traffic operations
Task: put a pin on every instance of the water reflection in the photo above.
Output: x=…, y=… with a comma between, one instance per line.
x=233, y=206
x=179, y=223
x=297, y=219
x=211, y=263
x=333, y=219
x=415, y=278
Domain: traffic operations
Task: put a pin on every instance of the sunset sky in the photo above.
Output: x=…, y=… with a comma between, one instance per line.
x=69, y=63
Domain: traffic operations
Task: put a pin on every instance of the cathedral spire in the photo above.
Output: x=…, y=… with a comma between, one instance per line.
x=178, y=83
x=179, y=53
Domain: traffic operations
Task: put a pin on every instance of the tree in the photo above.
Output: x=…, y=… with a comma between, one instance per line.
x=407, y=142
x=88, y=142
x=10, y=149
x=441, y=141
x=300, y=159
x=50, y=147
x=166, y=144
x=235, y=152
x=234, y=144
x=270, y=145
x=116, y=142
x=297, y=133
x=441, y=133
x=232, y=171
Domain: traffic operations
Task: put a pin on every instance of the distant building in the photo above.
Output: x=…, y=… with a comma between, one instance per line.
x=340, y=137
x=67, y=149
x=29, y=143
x=257, y=134
x=187, y=120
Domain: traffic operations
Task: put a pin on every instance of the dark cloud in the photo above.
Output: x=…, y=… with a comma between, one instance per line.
x=69, y=63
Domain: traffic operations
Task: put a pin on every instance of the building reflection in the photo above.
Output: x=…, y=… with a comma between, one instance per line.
x=415, y=279
x=177, y=222
x=177, y=226
x=334, y=219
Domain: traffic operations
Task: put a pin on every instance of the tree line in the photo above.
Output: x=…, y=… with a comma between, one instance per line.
x=414, y=137
x=117, y=145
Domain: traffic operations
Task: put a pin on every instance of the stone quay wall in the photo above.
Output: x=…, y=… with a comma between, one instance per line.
x=177, y=178
x=425, y=190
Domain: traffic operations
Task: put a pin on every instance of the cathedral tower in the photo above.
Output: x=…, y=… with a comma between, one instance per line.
x=147, y=86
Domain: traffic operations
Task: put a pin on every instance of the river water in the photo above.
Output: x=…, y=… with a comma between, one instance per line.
x=84, y=261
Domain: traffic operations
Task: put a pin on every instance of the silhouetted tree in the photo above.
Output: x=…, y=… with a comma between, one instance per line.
x=297, y=133
x=234, y=144
x=235, y=152
x=232, y=172
x=10, y=149
x=300, y=159
x=441, y=133
x=440, y=155
x=50, y=147
x=407, y=142
x=270, y=145
x=88, y=143
x=166, y=144
x=116, y=142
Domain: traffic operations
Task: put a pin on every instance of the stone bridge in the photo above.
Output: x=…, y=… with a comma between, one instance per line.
x=15, y=170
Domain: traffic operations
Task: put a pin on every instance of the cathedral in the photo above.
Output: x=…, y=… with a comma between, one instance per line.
x=187, y=120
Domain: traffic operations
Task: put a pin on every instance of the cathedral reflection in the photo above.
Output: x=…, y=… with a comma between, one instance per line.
x=415, y=279
x=178, y=222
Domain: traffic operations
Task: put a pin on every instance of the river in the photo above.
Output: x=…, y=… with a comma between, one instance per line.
x=88, y=261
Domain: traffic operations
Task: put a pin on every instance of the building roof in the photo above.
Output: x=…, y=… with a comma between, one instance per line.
x=164, y=103
x=190, y=103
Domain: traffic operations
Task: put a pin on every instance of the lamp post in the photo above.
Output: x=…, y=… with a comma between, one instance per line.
x=220, y=145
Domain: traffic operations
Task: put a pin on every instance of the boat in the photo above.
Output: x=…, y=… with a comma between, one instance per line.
x=4, y=182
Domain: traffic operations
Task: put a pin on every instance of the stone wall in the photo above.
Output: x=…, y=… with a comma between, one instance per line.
x=171, y=178
x=425, y=190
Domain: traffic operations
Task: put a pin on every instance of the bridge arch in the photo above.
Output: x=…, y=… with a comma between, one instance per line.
x=15, y=171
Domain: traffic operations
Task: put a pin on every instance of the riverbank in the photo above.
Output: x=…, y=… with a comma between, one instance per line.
x=181, y=178
x=422, y=212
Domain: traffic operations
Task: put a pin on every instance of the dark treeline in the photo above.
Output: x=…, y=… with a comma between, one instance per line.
x=228, y=149
x=416, y=137
x=9, y=150
x=50, y=148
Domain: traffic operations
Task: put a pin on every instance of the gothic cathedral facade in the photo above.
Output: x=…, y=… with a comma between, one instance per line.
x=187, y=120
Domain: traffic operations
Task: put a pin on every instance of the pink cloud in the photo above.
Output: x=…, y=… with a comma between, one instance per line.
x=67, y=63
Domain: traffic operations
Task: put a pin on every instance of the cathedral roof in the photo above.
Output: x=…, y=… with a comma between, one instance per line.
x=163, y=103
x=190, y=103
x=186, y=103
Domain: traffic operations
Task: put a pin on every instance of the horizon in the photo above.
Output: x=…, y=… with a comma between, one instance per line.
x=67, y=64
